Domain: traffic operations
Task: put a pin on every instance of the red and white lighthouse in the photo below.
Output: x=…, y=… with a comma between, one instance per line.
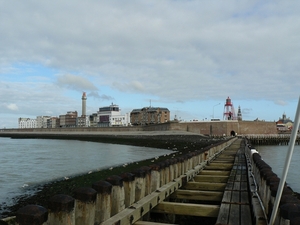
x=229, y=113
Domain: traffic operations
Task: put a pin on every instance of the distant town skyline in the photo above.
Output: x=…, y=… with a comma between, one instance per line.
x=187, y=56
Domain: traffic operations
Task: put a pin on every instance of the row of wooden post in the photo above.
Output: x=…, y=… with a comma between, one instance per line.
x=106, y=198
x=267, y=184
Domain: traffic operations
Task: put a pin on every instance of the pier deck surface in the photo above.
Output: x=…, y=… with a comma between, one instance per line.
x=235, y=206
x=217, y=195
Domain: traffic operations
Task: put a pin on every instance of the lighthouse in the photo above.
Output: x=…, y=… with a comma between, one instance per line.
x=83, y=104
x=229, y=113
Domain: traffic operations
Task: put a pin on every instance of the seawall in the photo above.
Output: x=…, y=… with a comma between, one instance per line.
x=208, y=128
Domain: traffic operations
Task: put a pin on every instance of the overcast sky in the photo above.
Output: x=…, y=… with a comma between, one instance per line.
x=188, y=56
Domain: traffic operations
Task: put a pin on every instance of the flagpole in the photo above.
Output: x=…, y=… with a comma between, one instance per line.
x=287, y=164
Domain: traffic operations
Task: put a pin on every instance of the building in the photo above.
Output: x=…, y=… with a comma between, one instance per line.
x=93, y=120
x=119, y=120
x=69, y=119
x=284, y=123
x=111, y=116
x=149, y=115
x=53, y=122
x=26, y=123
x=41, y=121
x=83, y=121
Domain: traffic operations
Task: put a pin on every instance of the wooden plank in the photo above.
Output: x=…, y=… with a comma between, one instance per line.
x=198, y=195
x=218, y=167
x=227, y=196
x=244, y=186
x=224, y=208
x=229, y=165
x=244, y=198
x=246, y=217
x=223, y=214
x=205, y=186
x=187, y=209
x=209, y=178
x=229, y=186
x=215, y=172
x=151, y=223
x=234, y=217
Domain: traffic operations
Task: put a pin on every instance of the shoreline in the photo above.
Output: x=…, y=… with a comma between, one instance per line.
x=179, y=142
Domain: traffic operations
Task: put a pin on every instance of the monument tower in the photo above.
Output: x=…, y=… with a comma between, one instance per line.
x=83, y=104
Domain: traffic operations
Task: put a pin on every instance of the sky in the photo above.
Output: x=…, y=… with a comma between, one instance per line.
x=185, y=55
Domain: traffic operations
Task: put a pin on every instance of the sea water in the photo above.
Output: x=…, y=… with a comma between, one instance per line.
x=275, y=156
x=25, y=163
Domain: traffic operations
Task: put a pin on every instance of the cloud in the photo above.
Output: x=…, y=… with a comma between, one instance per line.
x=12, y=107
x=246, y=111
x=133, y=86
x=96, y=95
x=174, y=51
x=75, y=82
x=280, y=102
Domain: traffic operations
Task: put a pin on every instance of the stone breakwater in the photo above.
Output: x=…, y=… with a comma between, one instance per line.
x=180, y=142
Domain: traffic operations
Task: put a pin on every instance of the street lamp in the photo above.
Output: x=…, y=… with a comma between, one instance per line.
x=214, y=110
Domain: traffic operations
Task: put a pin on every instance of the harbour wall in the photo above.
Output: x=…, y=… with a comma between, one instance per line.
x=210, y=128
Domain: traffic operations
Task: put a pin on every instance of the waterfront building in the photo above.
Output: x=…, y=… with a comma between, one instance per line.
x=83, y=121
x=284, y=123
x=149, y=115
x=111, y=116
x=53, y=122
x=120, y=120
x=93, y=120
x=41, y=121
x=69, y=119
x=26, y=123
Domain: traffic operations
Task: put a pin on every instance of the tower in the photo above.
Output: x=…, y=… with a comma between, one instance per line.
x=229, y=113
x=239, y=114
x=83, y=104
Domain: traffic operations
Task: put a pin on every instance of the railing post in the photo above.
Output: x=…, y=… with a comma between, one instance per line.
x=175, y=165
x=185, y=163
x=171, y=169
x=167, y=171
x=85, y=204
x=61, y=210
x=103, y=201
x=32, y=214
x=155, y=177
x=117, y=193
x=129, y=188
x=140, y=182
x=162, y=173
x=147, y=170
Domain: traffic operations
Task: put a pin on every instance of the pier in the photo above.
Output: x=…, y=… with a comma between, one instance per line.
x=275, y=139
x=227, y=183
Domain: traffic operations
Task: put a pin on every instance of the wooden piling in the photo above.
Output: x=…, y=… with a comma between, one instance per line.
x=103, y=201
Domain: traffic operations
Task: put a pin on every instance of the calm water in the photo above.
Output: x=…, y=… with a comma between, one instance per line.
x=275, y=156
x=24, y=163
